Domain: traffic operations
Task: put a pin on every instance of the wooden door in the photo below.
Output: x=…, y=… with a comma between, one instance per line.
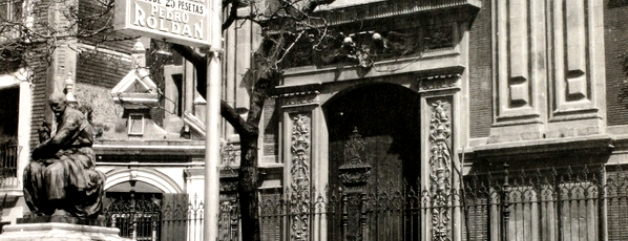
x=377, y=127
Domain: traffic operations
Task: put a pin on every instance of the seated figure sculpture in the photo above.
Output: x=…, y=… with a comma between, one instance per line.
x=61, y=179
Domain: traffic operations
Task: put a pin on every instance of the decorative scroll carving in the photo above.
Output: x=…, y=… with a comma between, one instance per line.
x=353, y=171
x=300, y=177
x=440, y=175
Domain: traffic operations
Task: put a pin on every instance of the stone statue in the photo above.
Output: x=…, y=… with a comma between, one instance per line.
x=61, y=179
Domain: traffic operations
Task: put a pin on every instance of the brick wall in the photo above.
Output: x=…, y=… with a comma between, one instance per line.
x=94, y=15
x=270, y=125
x=100, y=68
x=37, y=61
x=616, y=45
x=39, y=96
x=480, y=85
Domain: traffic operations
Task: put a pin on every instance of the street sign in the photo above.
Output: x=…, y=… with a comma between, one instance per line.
x=177, y=21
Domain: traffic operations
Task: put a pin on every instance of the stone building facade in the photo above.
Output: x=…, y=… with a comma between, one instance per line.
x=457, y=88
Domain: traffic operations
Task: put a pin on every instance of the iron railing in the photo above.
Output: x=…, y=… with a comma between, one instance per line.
x=573, y=203
x=142, y=218
x=8, y=165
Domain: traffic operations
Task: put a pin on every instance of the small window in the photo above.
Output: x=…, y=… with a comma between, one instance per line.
x=136, y=124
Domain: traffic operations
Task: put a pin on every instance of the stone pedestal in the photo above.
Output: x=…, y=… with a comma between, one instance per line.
x=59, y=232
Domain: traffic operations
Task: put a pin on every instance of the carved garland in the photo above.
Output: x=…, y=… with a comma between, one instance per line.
x=300, y=177
x=440, y=176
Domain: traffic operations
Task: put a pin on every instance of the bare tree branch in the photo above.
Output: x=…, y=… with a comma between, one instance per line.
x=233, y=15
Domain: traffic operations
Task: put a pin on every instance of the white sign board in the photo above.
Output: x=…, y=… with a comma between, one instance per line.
x=183, y=22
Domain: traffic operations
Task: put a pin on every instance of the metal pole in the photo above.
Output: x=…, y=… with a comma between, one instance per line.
x=212, y=144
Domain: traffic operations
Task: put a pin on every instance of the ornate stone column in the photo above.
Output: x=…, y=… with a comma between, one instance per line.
x=300, y=152
x=440, y=98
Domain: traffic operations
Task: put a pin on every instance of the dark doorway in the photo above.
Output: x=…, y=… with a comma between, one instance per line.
x=378, y=124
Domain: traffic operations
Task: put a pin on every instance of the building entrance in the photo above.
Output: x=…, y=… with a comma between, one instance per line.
x=374, y=159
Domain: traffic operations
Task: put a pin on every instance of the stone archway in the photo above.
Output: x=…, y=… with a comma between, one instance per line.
x=375, y=150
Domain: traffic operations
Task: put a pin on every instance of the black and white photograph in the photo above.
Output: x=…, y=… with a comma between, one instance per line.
x=314, y=120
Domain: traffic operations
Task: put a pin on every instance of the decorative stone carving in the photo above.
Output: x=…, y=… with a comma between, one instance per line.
x=353, y=171
x=300, y=182
x=437, y=82
x=440, y=169
x=228, y=181
x=438, y=37
x=228, y=220
x=298, y=98
x=365, y=47
x=229, y=155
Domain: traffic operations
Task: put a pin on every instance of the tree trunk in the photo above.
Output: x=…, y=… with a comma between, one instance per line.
x=249, y=198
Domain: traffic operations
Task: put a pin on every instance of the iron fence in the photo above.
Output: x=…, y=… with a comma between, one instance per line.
x=580, y=204
x=145, y=218
x=8, y=165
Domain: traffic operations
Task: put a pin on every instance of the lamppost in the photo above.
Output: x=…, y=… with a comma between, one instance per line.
x=212, y=143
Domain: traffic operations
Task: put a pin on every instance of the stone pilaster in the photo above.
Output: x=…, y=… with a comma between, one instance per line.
x=519, y=79
x=577, y=84
x=441, y=114
x=300, y=154
x=549, y=70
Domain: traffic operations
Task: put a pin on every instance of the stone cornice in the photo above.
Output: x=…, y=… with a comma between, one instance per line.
x=440, y=73
x=287, y=91
x=122, y=147
x=464, y=9
x=599, y=144
x=620, y=142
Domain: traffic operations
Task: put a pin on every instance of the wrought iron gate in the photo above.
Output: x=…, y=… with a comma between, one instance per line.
x=137, y=218
x=146, y=217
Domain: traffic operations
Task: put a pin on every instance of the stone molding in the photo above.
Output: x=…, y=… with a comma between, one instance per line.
x=148, y=175
x=599, y=144
x=59, y=232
